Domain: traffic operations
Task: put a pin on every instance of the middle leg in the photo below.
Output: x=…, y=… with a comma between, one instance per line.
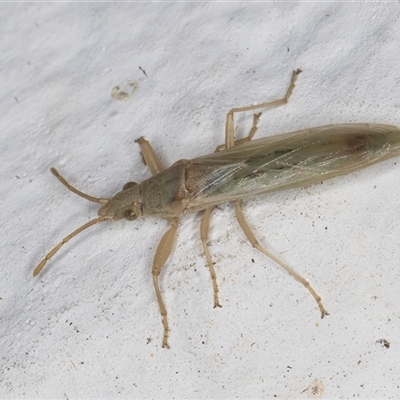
x=204, y=227
x=230, y=142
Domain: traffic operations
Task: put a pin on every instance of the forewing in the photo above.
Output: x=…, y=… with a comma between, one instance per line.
x=289, y=160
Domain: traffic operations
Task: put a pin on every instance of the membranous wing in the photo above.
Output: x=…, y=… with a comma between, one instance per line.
x=287, y=161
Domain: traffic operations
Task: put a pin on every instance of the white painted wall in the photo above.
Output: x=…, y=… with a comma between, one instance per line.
x=89, y=326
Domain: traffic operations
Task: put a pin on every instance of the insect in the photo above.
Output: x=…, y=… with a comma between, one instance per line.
x=236, y=170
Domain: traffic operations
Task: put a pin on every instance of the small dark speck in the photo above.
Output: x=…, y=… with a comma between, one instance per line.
x=384, y=343
x=252, y=260
x=143, y=71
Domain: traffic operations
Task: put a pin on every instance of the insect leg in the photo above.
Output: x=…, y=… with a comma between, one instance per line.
x=230, y=142
x=204, y=227
x=205, y=222
x=253, y=130
x=230, y=126
x=252, y=239
x=150, y=157
x=162, y=254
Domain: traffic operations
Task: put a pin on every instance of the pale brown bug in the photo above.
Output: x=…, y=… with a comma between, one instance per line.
x=236, y=170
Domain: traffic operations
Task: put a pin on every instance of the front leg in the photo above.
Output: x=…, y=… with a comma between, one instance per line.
x=150, y=157
x=163, y=251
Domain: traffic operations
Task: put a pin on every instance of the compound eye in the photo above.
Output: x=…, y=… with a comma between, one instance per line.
x=129, y=185
x=130, y=215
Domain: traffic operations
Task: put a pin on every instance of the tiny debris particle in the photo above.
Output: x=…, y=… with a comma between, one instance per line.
x=124, y=91
x=385, y=343
x=315, y=390
x=143, y=71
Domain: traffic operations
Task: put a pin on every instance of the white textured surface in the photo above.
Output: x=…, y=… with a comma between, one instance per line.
x=81, y=329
